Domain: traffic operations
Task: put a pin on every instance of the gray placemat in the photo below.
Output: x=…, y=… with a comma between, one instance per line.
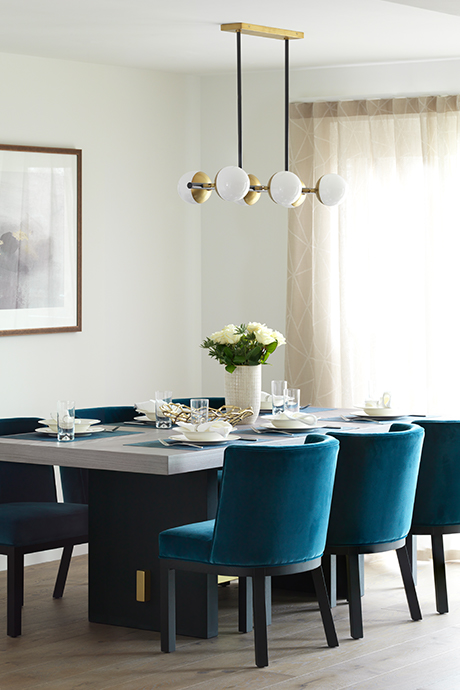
x=35, y=436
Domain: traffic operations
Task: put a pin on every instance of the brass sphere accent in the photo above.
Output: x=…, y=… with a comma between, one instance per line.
x=201, y=195
x=301, y=198
x=252, y=197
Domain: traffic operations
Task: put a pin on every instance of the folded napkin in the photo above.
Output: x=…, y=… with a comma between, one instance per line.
x=265, y=397
x=147, y=406
x=217, y=426
x=309, y=419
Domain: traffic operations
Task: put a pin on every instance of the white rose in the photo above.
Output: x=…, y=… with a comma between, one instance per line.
x=265, y=336
x=279, y=337
x=254, y=326
x=227, y=336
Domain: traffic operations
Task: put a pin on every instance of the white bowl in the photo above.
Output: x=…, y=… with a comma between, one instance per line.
x=379, y=411
x=289, y=423
x=147, y=413
x=80, y=424
x=202, y=435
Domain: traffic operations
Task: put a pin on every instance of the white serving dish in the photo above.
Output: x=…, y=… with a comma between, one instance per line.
x=220, y=439
x=203, y=435
x=88, y=430
x=147, y=413
x=81, y=425
x=380, y=412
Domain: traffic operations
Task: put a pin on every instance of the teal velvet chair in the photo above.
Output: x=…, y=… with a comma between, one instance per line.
x=31, y=520
x=372, y=505
x=437, y=499
x=271, y=519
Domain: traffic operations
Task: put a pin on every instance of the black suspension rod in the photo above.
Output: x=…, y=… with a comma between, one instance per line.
x=239, y=99
x=286, y=104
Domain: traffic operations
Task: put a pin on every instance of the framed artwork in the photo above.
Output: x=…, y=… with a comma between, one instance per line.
x=40, y=240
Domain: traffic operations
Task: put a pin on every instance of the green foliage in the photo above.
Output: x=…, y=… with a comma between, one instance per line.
x=244, y=345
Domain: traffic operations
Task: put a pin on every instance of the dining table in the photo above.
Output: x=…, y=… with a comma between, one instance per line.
x=138, y=487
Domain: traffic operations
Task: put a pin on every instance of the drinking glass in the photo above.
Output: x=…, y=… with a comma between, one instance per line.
x=278, y=395
x=199, y=410
x=162, y=420
x=65, y=420
x=292, y=400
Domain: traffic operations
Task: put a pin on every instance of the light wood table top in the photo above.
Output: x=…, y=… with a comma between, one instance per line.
x=117, y=452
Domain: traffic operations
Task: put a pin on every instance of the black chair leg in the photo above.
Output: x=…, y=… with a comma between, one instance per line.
x=409, y=586
x=62, y=572
x=15, y=592
x=439, y=569
x=354, y=597
x=167, y=608
x=260, y=620
x=324, y=607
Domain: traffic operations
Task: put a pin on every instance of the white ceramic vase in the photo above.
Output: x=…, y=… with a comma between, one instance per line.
x=242, y=389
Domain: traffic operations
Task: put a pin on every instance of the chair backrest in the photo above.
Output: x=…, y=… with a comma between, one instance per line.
x=437, y=499
x=274, y=503
x=22, y=482
x=375, y=486
x=108, y=415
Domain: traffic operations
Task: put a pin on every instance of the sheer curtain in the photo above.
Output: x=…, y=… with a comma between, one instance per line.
x=374, y=284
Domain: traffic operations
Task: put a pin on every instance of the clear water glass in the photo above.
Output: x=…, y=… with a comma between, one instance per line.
x=278, y=396
x=292, y=400
x=162, y=419
x=199, y=410
x=65, y=420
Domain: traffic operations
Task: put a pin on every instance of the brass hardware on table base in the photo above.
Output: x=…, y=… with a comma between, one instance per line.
x=232, y=183
x=143, y=585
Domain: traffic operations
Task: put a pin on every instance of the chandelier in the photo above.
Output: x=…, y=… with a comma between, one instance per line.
x=232, y=183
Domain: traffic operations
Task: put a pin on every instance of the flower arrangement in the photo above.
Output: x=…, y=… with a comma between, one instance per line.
x=246, y=345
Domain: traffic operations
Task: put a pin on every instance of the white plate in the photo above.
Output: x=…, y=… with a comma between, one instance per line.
x=144, y=418
x=380, y=412
x=266, y=405
x=83, y=423
x=78, y=432
x=290, y=426
x=184, y=439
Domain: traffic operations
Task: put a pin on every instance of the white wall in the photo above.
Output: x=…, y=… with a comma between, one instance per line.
x=245, y=249
x=141, y=246
x=159, y=275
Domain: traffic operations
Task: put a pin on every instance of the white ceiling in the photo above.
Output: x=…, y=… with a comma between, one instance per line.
x=185, y=36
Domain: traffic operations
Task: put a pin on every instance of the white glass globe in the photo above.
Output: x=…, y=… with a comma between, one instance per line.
x=331, y=189
x=232, y=183
x=285, y=188
x=184, y=192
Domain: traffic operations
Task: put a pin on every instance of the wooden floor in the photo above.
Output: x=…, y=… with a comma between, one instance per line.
x=60, y=650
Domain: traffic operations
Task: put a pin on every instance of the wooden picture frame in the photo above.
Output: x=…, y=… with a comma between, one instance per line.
x=40, y=240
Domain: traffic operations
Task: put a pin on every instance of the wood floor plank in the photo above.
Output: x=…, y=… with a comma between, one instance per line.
x=61, y=650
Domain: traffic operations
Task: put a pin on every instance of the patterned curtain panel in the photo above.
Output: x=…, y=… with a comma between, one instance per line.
x=374, y=284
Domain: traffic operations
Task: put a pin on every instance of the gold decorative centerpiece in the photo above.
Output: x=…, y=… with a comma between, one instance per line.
x=227, y=413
